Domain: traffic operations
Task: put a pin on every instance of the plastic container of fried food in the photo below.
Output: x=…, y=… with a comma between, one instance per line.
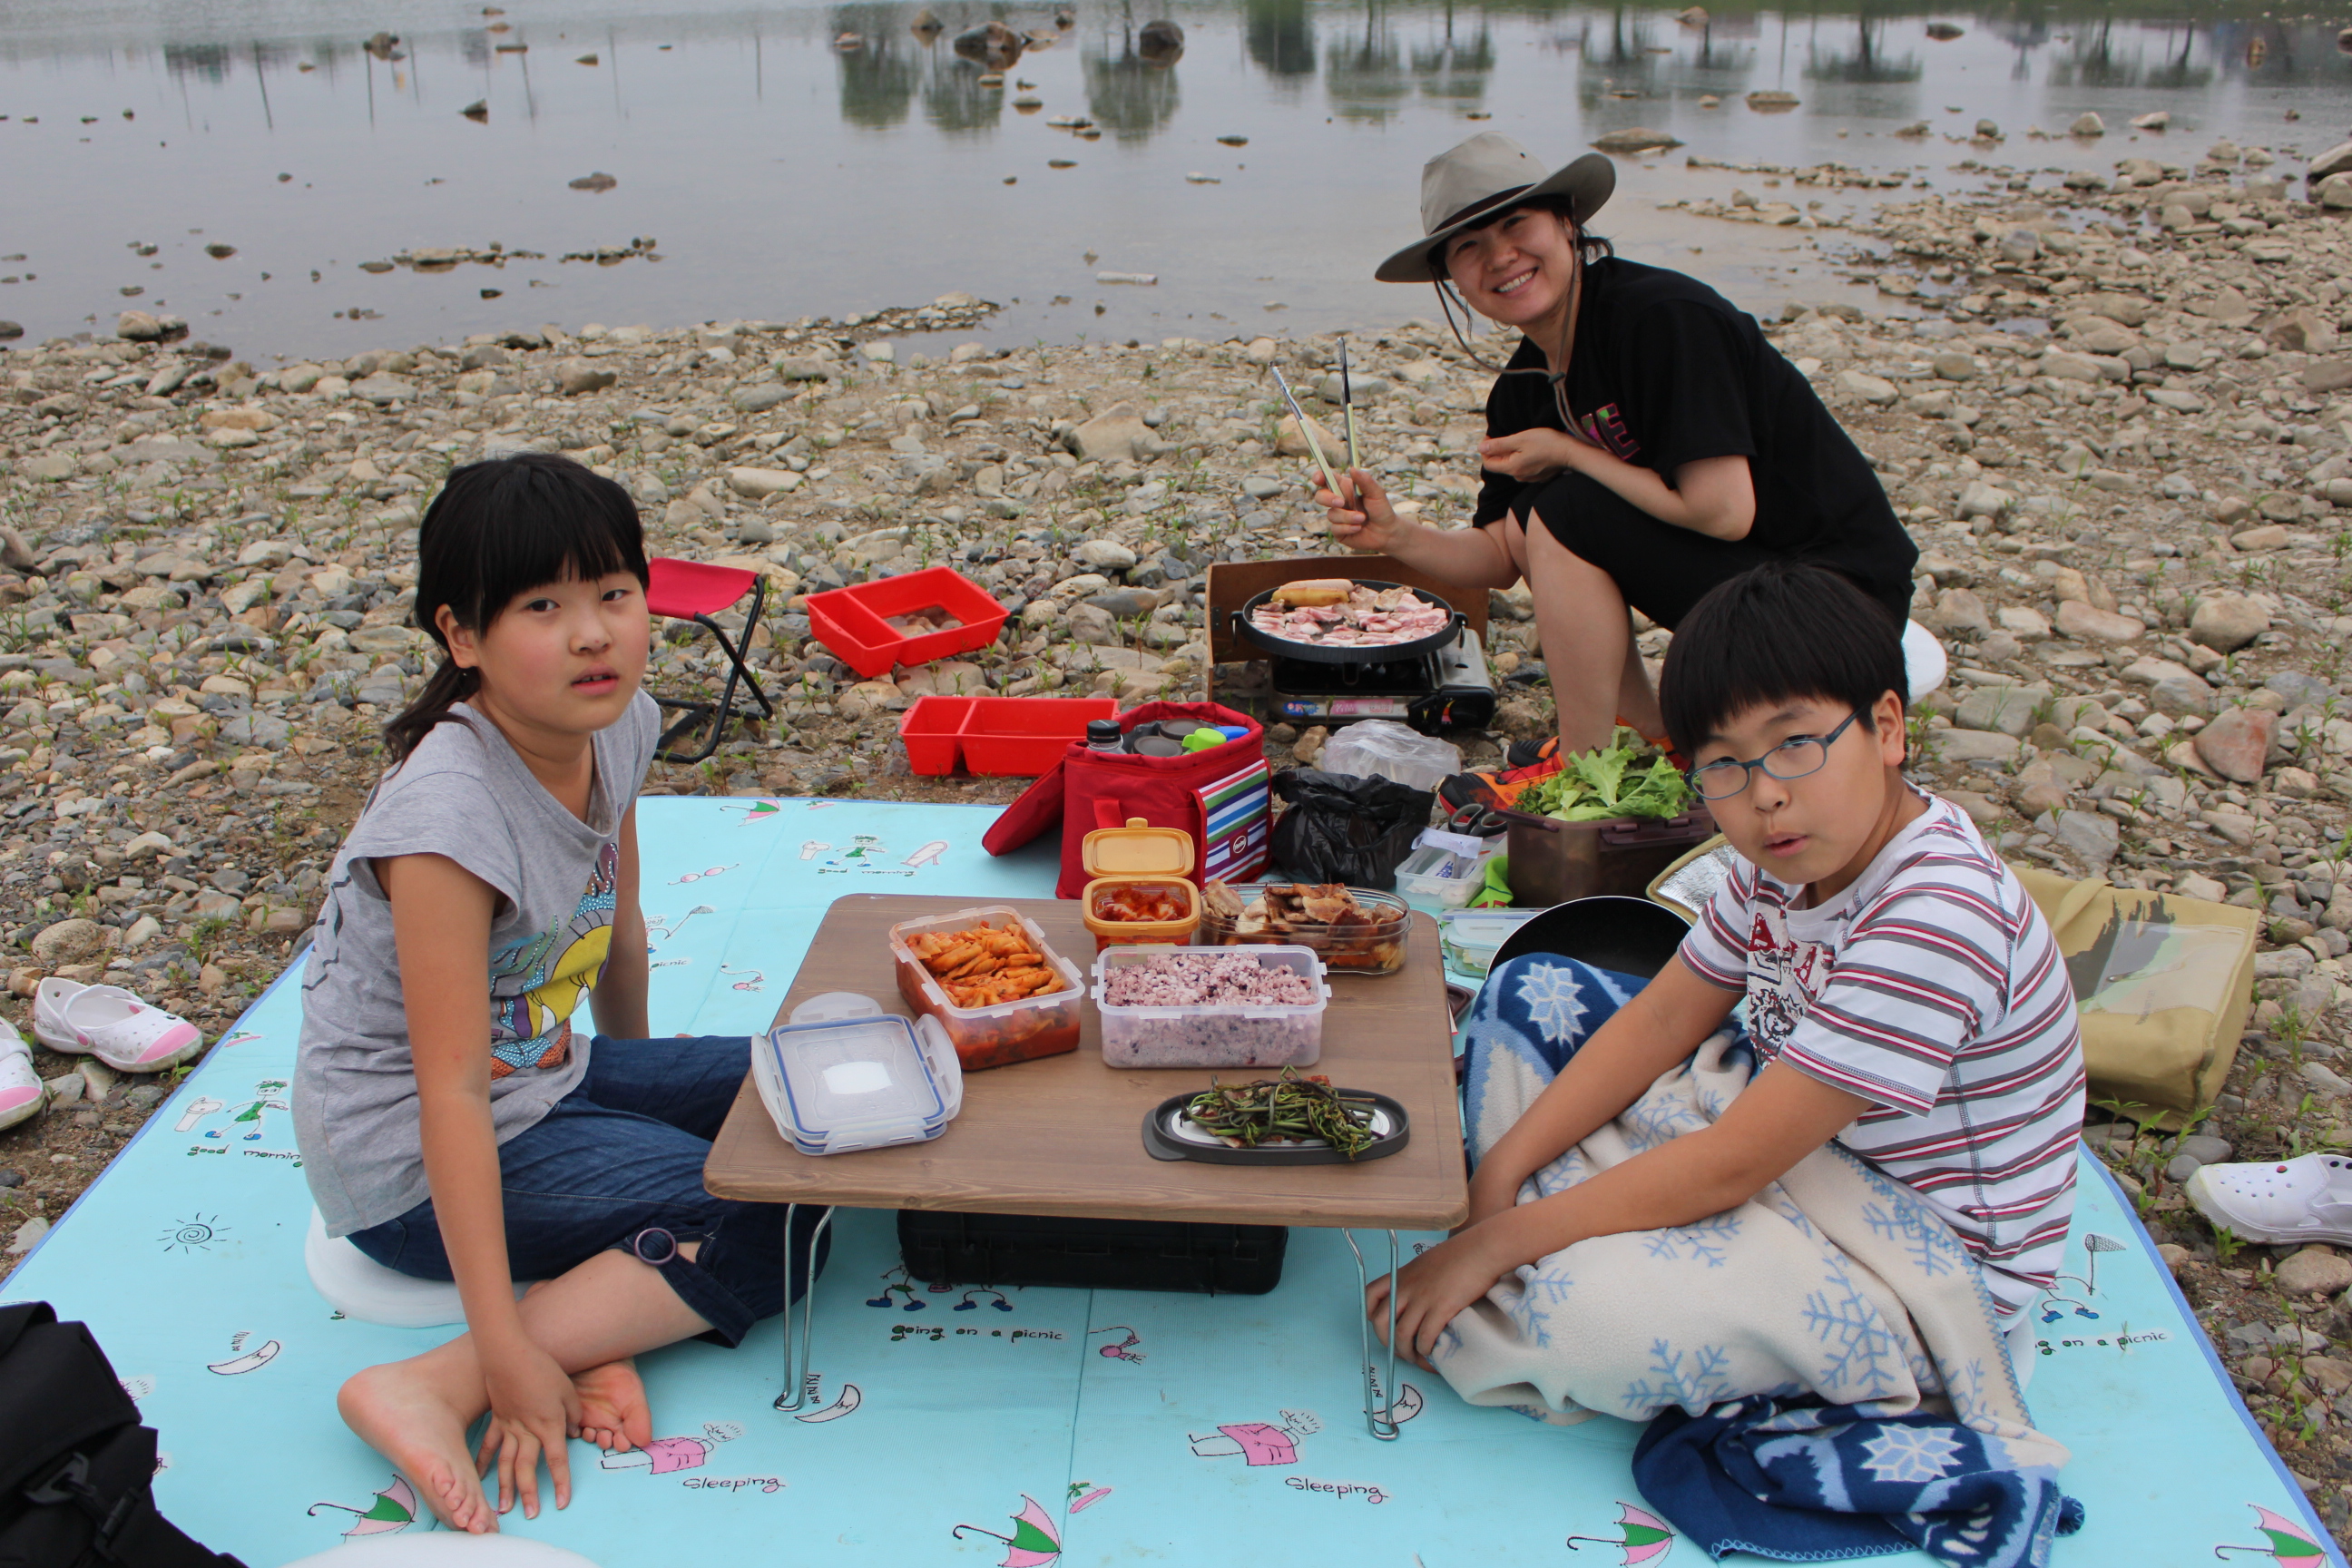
x=1376, y=946
x=1001, y=1033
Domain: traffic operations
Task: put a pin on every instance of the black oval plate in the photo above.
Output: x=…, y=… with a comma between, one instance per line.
x=1162, y=1142
x=1345, y=653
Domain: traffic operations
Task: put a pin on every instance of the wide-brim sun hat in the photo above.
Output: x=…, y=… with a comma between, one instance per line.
x=1469, y=181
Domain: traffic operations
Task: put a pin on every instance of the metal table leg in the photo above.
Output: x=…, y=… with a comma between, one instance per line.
x=800, y=1389
x=1380, y=1399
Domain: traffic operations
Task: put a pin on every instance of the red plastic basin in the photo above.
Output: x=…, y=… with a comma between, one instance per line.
x=1025, y=736
x=853, y=621
x=929, y=727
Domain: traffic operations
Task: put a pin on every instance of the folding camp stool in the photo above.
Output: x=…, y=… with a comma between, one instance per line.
x=696, y=591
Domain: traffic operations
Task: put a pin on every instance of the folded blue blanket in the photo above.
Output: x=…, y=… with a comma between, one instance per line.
x=1814, y=1483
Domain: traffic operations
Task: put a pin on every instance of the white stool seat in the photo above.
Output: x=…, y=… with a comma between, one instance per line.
x=361, y=1288
x=1924, y=664
x=443, y=1549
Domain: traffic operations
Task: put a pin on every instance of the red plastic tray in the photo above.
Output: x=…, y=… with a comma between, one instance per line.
x=1015, y=736
x=852, y=621
x=929, y=727
x=1025, y=736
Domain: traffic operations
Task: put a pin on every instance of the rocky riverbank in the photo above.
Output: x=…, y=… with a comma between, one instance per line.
x=2120, y=436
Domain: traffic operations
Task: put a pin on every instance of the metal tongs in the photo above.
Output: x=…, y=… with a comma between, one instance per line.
x=1348, y=403
x=1306, y=431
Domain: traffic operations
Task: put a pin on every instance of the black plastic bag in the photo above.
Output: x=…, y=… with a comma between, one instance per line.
x=1344, y=829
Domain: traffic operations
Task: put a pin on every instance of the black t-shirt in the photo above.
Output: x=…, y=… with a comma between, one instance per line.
x=1665, y=372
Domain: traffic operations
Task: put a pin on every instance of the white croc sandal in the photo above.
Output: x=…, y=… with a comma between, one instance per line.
x=22, y=1092
x=2308, y=1198
x=109, y=1023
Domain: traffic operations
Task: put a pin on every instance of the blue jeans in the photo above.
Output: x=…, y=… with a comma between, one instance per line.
x=616, y=1165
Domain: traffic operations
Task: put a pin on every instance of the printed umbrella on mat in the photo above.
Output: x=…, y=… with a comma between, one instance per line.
x=395, y=1508
x=2288, y=1543
x=1646, y=1538
x=1033, y=1543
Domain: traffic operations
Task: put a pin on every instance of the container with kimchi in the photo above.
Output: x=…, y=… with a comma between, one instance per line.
x=1140, y=892
x=987, y=975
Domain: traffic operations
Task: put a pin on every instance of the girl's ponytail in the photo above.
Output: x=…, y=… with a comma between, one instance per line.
x=451, y=684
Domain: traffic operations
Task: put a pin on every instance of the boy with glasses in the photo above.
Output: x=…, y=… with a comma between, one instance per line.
x=1903, y=997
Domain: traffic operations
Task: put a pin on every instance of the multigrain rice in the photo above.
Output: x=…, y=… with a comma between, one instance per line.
x=1185, y=1009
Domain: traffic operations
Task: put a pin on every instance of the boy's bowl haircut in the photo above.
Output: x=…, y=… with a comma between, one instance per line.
x=1782, y=632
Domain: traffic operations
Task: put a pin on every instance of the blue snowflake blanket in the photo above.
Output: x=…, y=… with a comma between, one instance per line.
x=1834, y=1281
x=1817, y=1483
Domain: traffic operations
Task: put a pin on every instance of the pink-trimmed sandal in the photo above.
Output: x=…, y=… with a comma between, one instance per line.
x=22, y=1092
x=109, y=1023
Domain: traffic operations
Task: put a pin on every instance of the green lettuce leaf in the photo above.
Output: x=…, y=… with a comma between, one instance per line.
x=1661, y=792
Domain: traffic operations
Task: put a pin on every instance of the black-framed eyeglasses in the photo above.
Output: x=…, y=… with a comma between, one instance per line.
x=1791, y=758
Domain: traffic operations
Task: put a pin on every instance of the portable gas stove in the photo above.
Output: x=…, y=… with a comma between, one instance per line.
x=1447, y=688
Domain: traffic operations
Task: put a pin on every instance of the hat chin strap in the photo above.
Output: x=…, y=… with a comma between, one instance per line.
x=1568, y=331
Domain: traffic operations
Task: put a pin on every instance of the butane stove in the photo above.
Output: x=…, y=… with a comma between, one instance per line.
x=1448, y=688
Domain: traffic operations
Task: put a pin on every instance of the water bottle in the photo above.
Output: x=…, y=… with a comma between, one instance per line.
x=1103, y=735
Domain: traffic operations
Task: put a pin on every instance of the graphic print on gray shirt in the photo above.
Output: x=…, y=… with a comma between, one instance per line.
x=463, y=794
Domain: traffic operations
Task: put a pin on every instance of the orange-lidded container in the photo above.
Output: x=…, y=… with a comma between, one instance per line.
x=1139, y=861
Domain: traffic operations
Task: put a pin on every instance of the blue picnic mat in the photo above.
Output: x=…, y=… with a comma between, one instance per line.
x=1110, y=1426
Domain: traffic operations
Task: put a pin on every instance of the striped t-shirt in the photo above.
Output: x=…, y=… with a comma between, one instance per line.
x=1933, y=987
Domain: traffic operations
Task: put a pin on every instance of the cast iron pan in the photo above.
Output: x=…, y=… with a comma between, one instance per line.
x=1378, y=653
x=1165, y=1138
x=1629, y=936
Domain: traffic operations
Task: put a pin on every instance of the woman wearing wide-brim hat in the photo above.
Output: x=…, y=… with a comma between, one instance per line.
x=1696, y=450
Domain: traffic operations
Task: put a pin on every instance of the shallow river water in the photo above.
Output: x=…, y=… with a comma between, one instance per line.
x=778, y=174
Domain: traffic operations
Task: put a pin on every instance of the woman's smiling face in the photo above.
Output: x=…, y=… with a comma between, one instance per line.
x=1515, y=269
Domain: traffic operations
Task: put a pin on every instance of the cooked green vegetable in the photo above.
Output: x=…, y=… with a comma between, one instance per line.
x=1283, y=1109
x=1595, y=786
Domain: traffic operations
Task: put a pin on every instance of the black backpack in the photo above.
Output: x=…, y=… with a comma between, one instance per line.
x=75, y=1463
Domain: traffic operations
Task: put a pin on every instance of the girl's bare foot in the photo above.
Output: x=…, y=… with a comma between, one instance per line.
x=614, y=1413
x=398, y=1411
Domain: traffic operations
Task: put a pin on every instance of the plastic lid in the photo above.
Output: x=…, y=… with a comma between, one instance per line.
x=1103, y=730
x=848, y=1076
x=1138, y=850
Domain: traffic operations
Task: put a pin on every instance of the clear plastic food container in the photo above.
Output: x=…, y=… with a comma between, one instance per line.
x=1445, y=869
x=1469, y=938
x=843, y=1075
x=1377, y=948
x=1207, y=1035
x=1002, y=1032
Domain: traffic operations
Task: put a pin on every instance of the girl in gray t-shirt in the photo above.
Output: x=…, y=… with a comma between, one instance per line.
x=453, y=1123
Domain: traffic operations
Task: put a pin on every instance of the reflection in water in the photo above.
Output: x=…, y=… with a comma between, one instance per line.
x=2093, y=61
x=688, y=103
x=1454, y=67
x=879, y=78
x=1365, y=78
x=1869, y=65
x=1129, y=95
x=1280, y=37
x=991, y=46
x=953, y=99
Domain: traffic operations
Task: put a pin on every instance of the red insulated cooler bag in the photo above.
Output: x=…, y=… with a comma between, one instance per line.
x=1217, y=795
